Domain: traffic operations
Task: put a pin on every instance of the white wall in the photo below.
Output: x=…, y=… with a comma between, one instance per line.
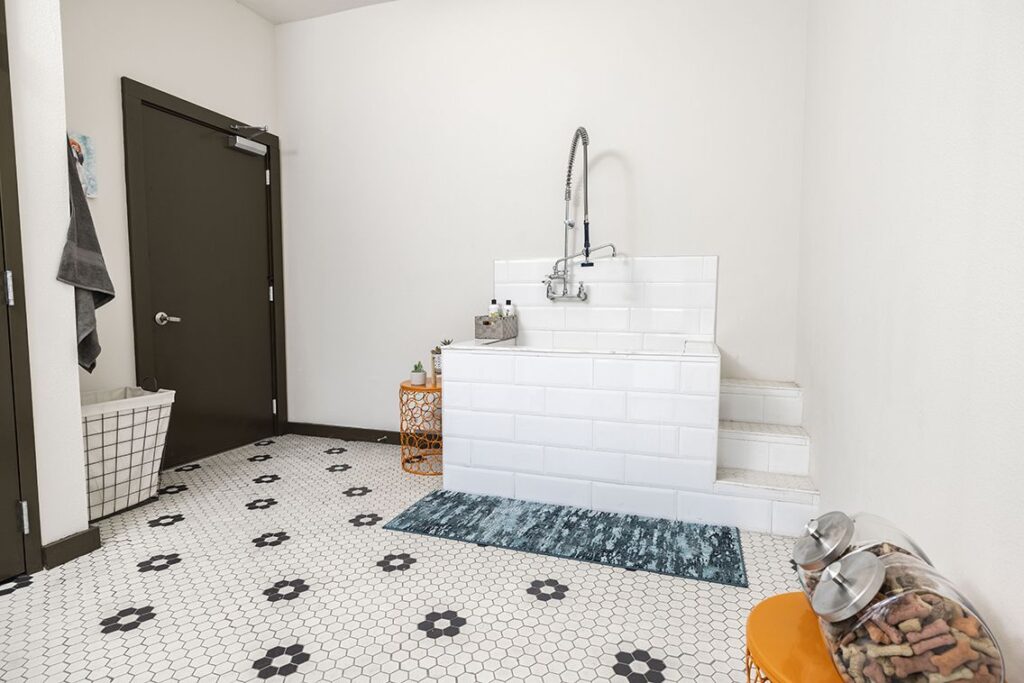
x=912, y=273
x=214, y=53
x=426, y=138
x=37, y=90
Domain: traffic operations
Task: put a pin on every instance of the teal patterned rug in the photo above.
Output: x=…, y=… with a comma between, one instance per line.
x=693, y=551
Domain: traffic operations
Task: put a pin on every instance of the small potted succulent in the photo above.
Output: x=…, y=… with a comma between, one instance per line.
x=418, y=376
x=435, y=355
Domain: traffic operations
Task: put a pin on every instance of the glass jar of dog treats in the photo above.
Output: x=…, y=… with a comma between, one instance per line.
x=835, y=534
x=894, y=618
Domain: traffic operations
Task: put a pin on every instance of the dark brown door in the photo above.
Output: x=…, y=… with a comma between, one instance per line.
x=208, y=246
x=20, y=551
x=12, y=548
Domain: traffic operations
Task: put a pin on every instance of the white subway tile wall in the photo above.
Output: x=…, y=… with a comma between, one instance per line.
x=502, y=455
x=751, y=514
x=593, y=403
x=468, y=367
x=634, y=500
x=636, y=374
x=789, y=519
x=479, y=425
x=577, y=464
x=624, y=434
x=480, y=481
x=554, y=431
x=636, y=438
x=507, y=398
x=763, y=447
x=778, y=403
x=457, y=451
x=552, y=371
x=555, y=490
x=665, y=301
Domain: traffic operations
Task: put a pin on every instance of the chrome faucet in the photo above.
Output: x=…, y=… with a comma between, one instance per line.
x=560, y=271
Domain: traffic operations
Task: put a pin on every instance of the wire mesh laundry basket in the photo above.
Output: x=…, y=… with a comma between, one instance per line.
x=124, y=431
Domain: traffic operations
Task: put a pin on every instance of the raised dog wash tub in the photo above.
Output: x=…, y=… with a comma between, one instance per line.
x=608, y=404
x=620, y=432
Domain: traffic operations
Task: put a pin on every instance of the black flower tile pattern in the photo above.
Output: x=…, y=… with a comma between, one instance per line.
x=437, y=624
x=188, y=468
x=397, y=563
x=336, y=450
x=286, y=589
x=127, y=619
x=357, y=621
x=166, y=520
x=366, y=519
x=547, y=589
x=172, y=489
x=266, y=478
x=159, y=563
x=271, y=539
x=18, y=582
x=356, y=491
x=264, y=442
x=639, y=666
x=280, y=661
x=339, y=468
x=259, y=458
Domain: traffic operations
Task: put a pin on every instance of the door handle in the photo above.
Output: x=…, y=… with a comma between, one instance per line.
x=162, y=318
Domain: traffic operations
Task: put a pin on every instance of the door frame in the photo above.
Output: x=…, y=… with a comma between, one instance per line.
x=11, y=255
x=134, y=97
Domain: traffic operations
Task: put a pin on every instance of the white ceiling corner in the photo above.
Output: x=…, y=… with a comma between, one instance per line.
x=283, y=11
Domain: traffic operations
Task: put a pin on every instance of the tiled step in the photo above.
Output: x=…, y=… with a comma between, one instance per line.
x=790, y=488
x=774, y=448
x=755, y=400
x=779, y=503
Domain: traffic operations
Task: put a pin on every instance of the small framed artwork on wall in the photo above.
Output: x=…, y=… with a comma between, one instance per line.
x=85, y=154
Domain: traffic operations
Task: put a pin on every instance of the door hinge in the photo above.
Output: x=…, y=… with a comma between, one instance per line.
x=271, y=292
x=9, y=287
x=268, y=177
x=26, y=526
x=273, y=405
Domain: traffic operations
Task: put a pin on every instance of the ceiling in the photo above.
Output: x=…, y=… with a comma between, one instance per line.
x=283, y=11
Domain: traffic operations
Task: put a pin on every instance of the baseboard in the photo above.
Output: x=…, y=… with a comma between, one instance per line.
x=70, y=547
x=344, y=433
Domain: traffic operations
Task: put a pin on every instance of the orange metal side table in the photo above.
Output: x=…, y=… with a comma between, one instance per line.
x=784, y=644
x=420, y=428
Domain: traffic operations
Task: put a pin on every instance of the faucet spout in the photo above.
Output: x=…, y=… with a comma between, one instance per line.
x=580, y=136
x=560, y=271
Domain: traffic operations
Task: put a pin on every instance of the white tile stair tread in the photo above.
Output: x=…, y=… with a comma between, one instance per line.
x=760, y=431
x=734, y=385
x=791, y=488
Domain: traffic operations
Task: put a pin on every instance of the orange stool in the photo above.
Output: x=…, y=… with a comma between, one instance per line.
x=784, y=644
x=419, y=410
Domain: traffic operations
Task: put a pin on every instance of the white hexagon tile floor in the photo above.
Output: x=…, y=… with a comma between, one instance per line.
x=270, y=562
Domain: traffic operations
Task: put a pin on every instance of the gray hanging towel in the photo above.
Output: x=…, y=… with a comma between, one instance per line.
x=82, y=267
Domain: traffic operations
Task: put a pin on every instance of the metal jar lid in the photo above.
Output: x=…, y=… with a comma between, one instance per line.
x=847, y=586
x=825, y=539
